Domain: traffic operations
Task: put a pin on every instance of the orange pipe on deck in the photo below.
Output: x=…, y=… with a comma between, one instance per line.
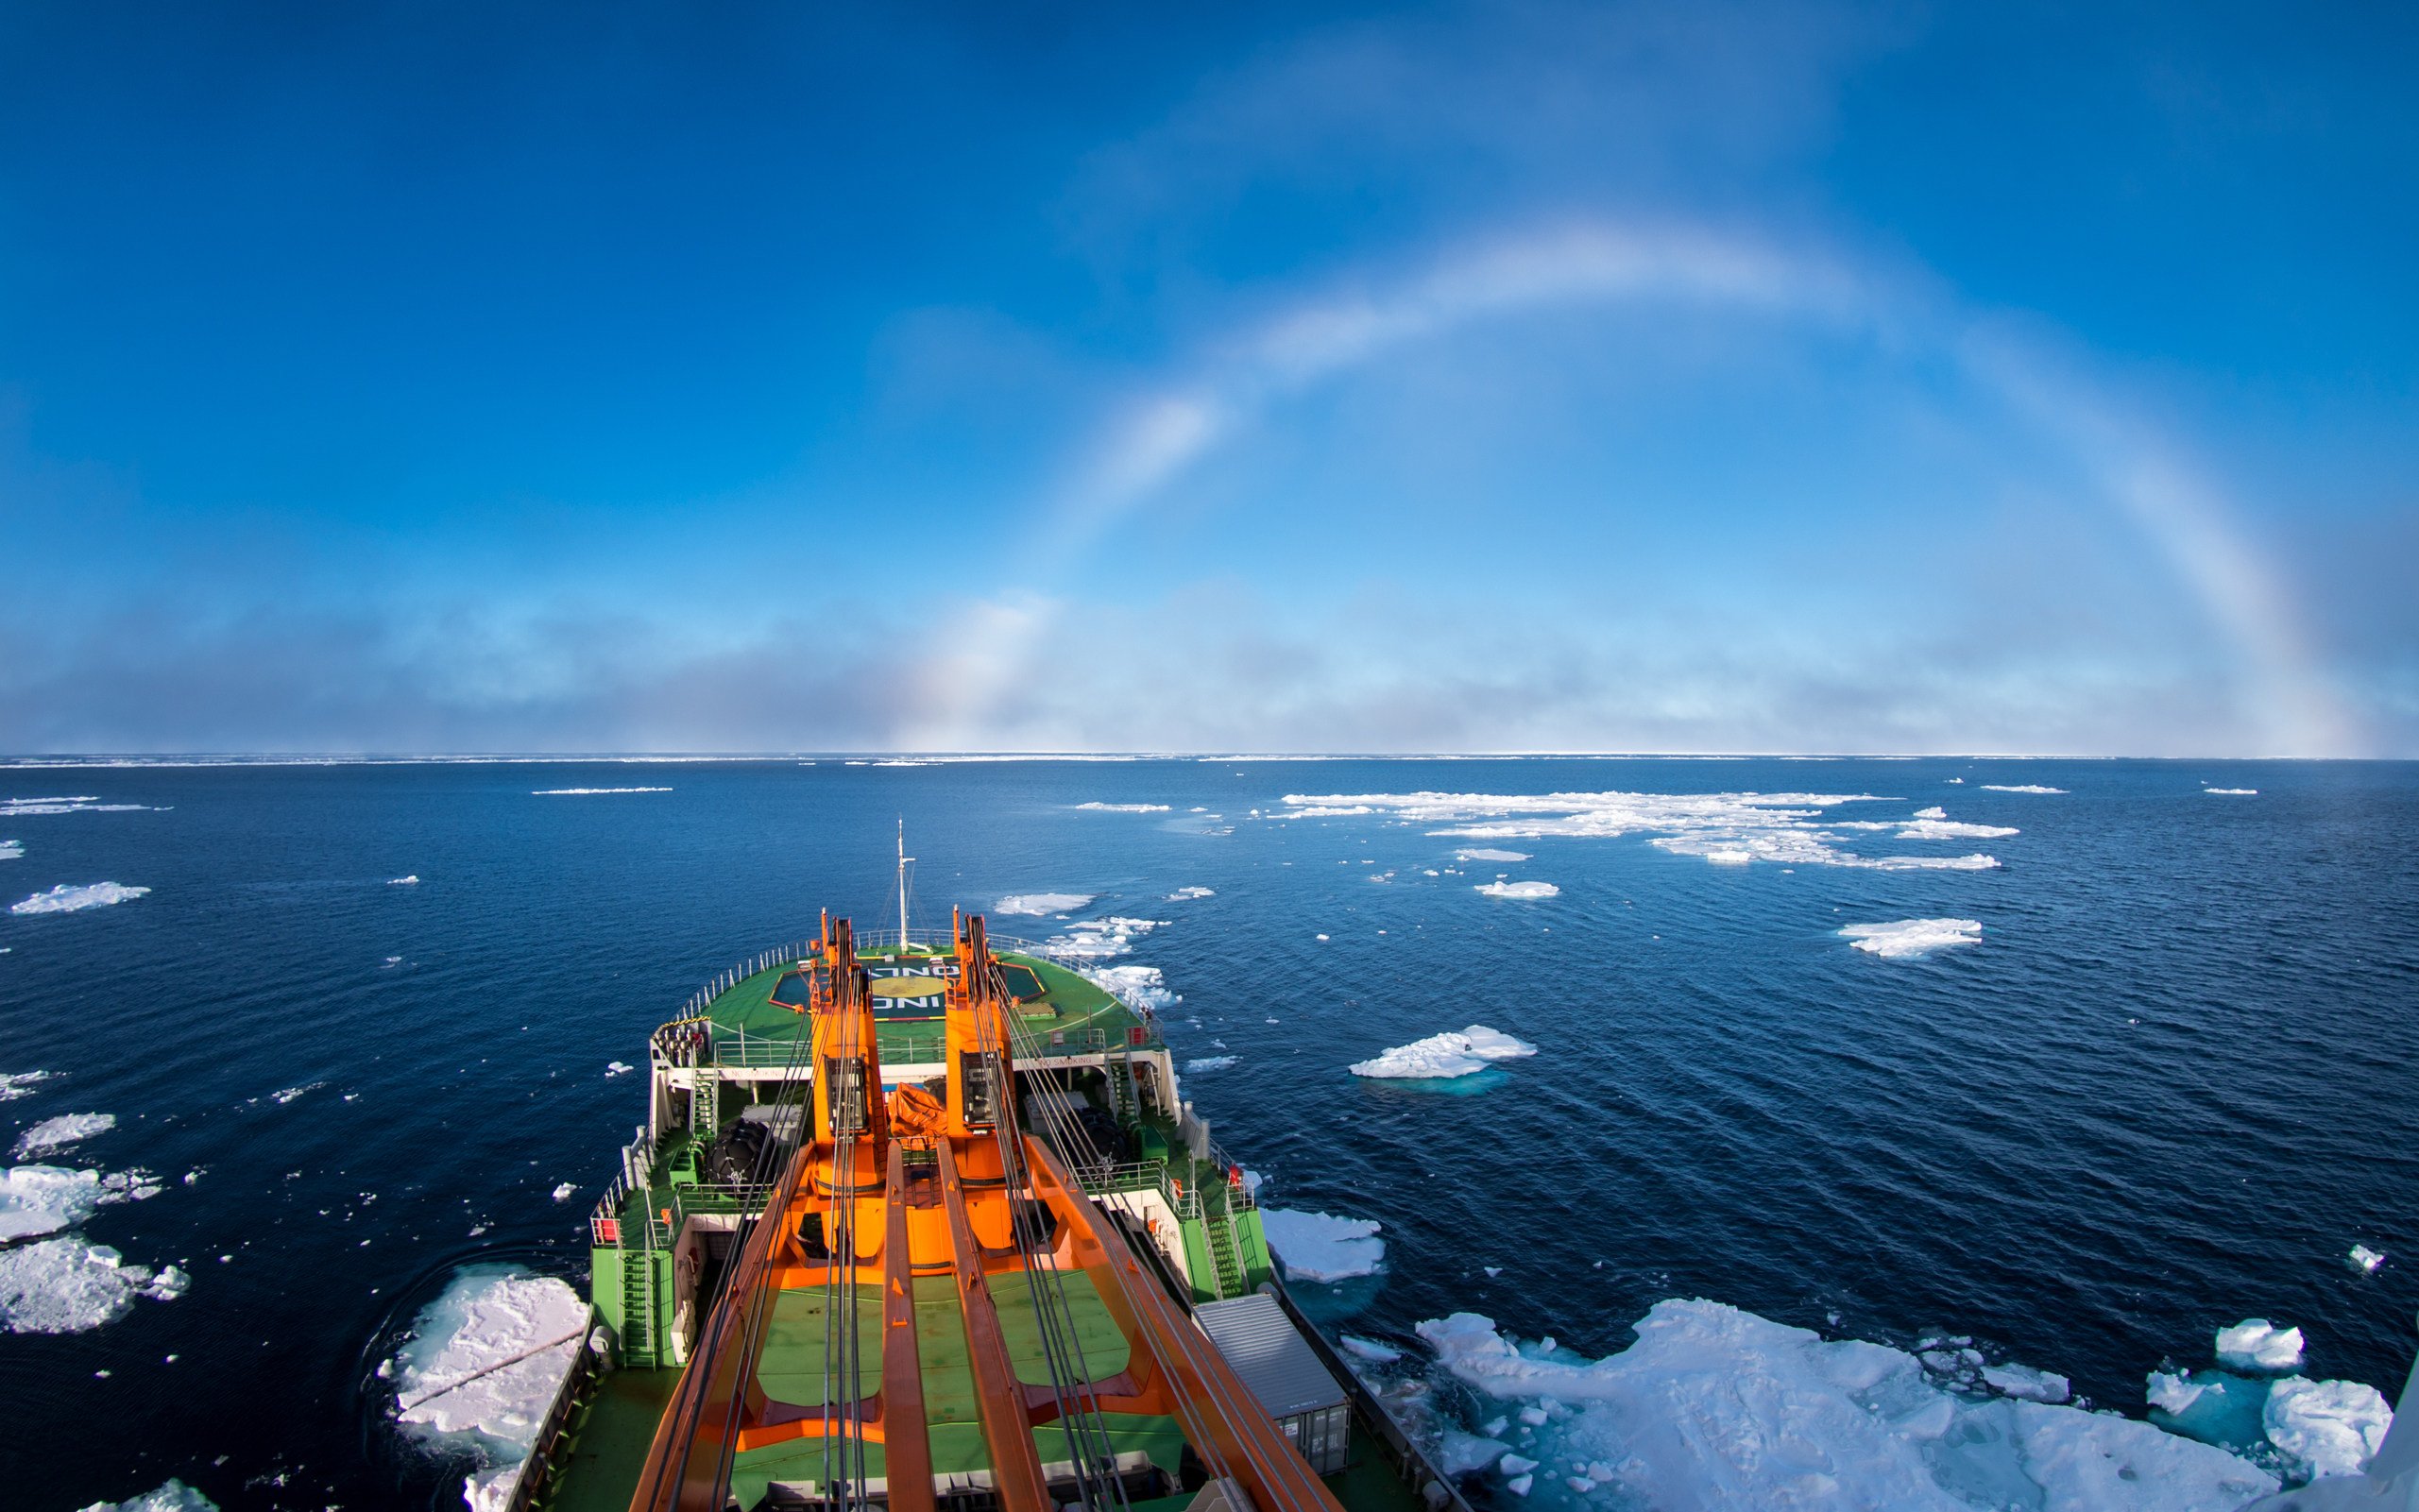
x=1007, y=1430
x=907, y=1447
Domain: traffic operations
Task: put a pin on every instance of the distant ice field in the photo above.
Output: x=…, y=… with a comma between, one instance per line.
x=2112, y=1065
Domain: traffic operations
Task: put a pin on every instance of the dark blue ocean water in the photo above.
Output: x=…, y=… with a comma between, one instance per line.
x=2168, y=1090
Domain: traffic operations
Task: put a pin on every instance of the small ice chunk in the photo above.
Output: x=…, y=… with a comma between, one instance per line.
x=1518, y=1485
x=2366, y=1259
x=1518, y=1463
x=1124, y=809
x=1461, y=1454
x=1186, y=895
x=2331, y=1427
x=1321, y=1247
x=414, y=880
x=562, y=1193
x=2172, y=1394
x=61, y=1132
x=2019, y=787
x=615, y=1068
x=2231, y=793
x=15, y=1084
x=1534, y=1417
x=1911, y=938
x=2026, y=1383
x=1371, y=1349
x=1493, y=1271
x=1210, y=1062
x=2254, y=1344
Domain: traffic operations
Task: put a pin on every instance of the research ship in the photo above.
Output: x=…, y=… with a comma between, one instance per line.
x=923, y=1221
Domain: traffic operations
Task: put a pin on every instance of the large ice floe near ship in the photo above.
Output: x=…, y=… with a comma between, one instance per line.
x=1454, y=1053
x=1716, y=1407
x=483, y=1366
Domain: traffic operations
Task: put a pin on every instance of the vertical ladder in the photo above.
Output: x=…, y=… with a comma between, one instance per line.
x=1122, y=1089
x=705, y=1109
x=639, y=1304
x=1217, y=1233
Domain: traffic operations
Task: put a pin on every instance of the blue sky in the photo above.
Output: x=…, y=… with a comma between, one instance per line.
x=1523, y=377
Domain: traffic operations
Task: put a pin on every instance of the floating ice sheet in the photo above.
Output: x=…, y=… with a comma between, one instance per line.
x=2328, y=1427
x=485, y=1360
x=2231, y=793
x=1041, y=903
x=588, y=792
x=1716, y=1407
x=14, y=1084
x=61, y=1132
x=1100, y=939
x=1186, y=895
x=68, y=1287
x=1124, y=809
x=1454, y=1053
x=1210, y=1062
x=1137, y=987
x=68, y=898
x=1322, y=1247
x=2019, y=786
x=1484, y=853
x=2365, y=1260
x=1521, y=891
x=1730, y=828
x=1910, y=938
x=12, y=850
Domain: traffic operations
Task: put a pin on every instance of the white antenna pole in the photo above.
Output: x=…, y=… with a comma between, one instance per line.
x=903, y=859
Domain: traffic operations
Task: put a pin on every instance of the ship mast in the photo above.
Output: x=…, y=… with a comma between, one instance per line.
x=903, y=859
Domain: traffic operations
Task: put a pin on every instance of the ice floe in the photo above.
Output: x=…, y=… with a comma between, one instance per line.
x=2366, y=1259
x=69, y=1286
x=1186, y=895
x=2025, y=1384
x=169, y=1496
x=12, y=850
x=38, y=1199
x=2256, y=1343
x=618, y=1068
x=562, y=1193
x=1483, y=854
x=1520, y=891
x=1371, y=1350
x=2328, y=1427
x=68, y=898
x=2019, y=786
x=17, y=807
x=61, y=1132
x=412, y=880
x=1910, y=938
x=588, y=792
x=1726, y=829
x=1210, y=1062
x=1041, y=903
x=1450, y=1054
x=14, y=1084
x=1716, y=1407
x=1322, y=1247
x=1138, y=987
x=1930, y=824
x=484, y=1362
x=2231, y=793
x=1100, y=939
x=1124, y=809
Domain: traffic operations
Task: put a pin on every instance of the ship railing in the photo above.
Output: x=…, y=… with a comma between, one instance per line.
x=539, y=1472
x=939, y=942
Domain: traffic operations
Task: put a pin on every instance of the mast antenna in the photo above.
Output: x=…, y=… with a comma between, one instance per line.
x=903, y=859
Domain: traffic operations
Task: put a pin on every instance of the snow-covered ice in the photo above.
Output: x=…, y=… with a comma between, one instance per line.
x=1137, y=987
x=562, y=1193
x=1525, y=892
x=1715, y=1407
x=1041, y=903
x=2329, y=1427
x=38, y=1199
x=1484, y=853
x=1100, y=939
x=1909, y=937
x=2019, y=786
x=1124, y=809
x=2231, y=793
x=617, y=1068
x=2254, y=1344
x=1369, y=1349
x=12, y=850
x=2024, y=1382
x=1321, y=1247
x=588, y=792
x=61, y=1132
x=412, y=880
x=170, y=1496
x=451, y=1381
x=1726, y=829
x=14, y=1084
x=67, y=1285
x=2365, y=1260
x=67, y=898
x=1210, y=1062
x=1186, y=895
x=1454, y=1053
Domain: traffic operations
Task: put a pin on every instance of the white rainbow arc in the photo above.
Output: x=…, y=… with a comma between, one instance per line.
x=1159, y=436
